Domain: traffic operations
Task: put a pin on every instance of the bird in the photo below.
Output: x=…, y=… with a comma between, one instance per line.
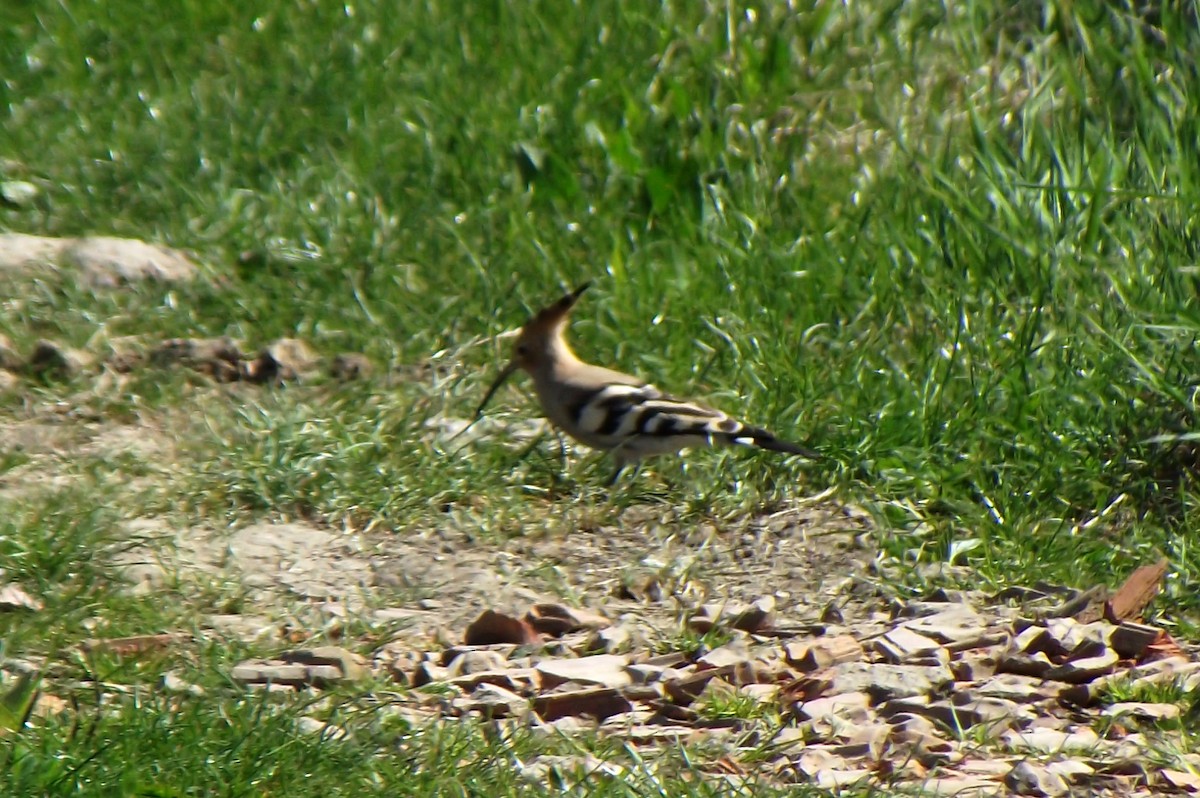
x=612, y=411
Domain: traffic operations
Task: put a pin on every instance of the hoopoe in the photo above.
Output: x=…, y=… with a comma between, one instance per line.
x=616, y=412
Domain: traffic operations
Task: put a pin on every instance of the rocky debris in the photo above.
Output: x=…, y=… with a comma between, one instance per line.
x=1144, y=711
x=219, y=358
x=1027, y=778
x=614, y=639
x=18, y=193
x=1136, y=593
x=136, y=645
x=889, y=710
x=823, y=652
x=49, y=358
x=755, y=617
x=492, y=701
x=172, y=682
x=1180, y=780
x=602, y=670
x=99, y=261
x=495, y=627
x=14, y=598
x=309, y=725
x=476, y=661
x=350, y=366
x=559, y=774
x=559, y=619
x=315, y=667
x=1131, y=640
x=284, y=360
x=902, y=644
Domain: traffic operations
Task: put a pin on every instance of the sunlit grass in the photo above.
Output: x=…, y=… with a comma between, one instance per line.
x=952, y=246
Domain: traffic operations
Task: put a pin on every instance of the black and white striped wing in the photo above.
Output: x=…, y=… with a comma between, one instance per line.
x=640, y=420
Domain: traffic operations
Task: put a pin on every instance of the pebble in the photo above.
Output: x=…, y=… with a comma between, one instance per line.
x=1027, y=778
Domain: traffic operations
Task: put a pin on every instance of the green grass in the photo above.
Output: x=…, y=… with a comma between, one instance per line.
x=952, y=246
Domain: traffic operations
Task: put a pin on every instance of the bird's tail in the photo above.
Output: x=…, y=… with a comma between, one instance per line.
x=756, y=436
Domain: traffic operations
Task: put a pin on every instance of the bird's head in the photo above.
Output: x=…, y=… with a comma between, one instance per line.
x=539, y=341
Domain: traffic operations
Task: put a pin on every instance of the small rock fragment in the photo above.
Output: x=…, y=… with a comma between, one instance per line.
x=429, y=673
x=282, y=361
x=494, y=627
x=1026, y=778
x=22, y=254
x=1180, y=780
x=645, y=673
x=752, y=618
x=18, y=193
x=902, y=644
x=887, y=682
x=756, y=617
x=108, y=262
x=172, y=682
x=309, y=725
x=824, y=653
x=958, y=624
x=1144, y=711
x=816, y=759
x=267, y=672
x=995, y=713
x=732, y=653
x=14, y=598
x=1037, y=664
x=216, y=357
x=610, y=640
x=684, y=689
x=1077, y=639
x=1014, y=687
x=350, y=366
x=603, y=670
x=1131, y=640
x=476, y=661
x=558, y=619
x=955, y=786
x=494, y=701
x=978, y=664
x=519, y=680
x=1051, y=740
x=837, y=779
x=847, y=706
x=1084, y=670
x=346, y=665
x=136, y=644
x=762, y=693
x=61, y=361
x=1071, y=769
x=598, y=702
x=1136, y=593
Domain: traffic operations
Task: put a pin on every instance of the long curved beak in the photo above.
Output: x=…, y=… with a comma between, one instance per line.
x=504, y=374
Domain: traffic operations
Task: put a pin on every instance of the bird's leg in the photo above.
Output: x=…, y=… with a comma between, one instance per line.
x=562, y=449
x=622, y=460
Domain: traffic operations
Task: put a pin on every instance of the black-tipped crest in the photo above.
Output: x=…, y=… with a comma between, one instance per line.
x=557, y=311
x=542, y=323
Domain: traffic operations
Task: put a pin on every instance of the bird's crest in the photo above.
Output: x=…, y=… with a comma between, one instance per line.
x=552, y=316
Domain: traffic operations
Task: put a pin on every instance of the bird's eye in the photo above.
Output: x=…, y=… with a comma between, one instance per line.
x=522, y=350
